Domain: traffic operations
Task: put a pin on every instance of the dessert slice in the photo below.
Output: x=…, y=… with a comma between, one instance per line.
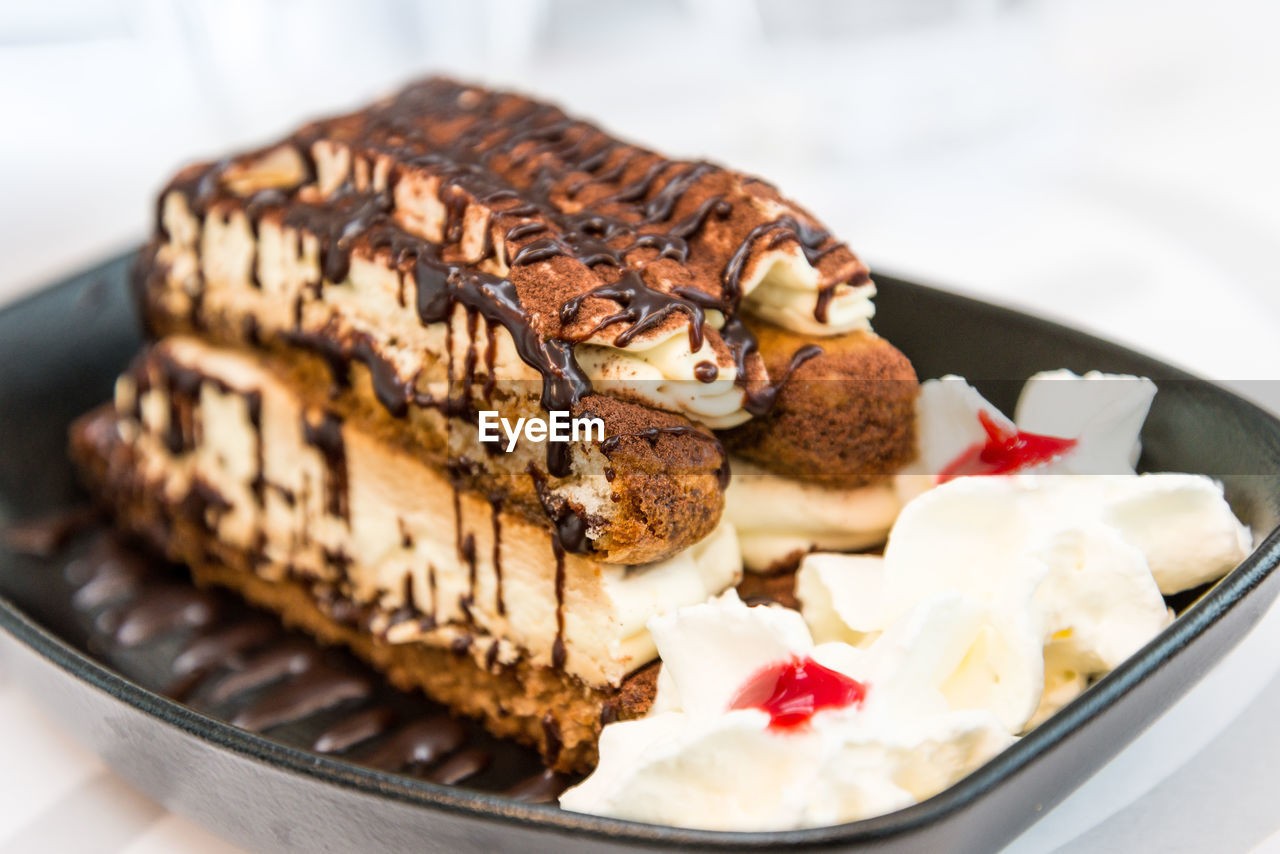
x=480, y=250
x=229, y=468
x=340, y=316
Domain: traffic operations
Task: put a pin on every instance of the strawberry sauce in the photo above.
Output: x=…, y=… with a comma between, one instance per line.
x=791, y=691
x=1005, y=452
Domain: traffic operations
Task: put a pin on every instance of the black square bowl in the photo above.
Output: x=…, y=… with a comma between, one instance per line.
x=61, y=349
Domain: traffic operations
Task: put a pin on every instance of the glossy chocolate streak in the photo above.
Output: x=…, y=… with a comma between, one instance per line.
x=354, y=729
x=552, y=737
x=222, y=647
x=813, y=242
x=588, y=235
x=461, y=765
x=181, y=385
x=420, y=743
x=642, y=308
x=490, y=359
x=325, y=435
x=768, y=396
x=542, y=788
x=182, y=388
x=495, y=502
x=313, y=691
x=390, y=391
x=225, y=659
x=759, y=398
x=558, y=652
x=571, y=525
x=157, y=611
x=468, y=554
x=559, y=460
x=264, y=668
x=258, y=486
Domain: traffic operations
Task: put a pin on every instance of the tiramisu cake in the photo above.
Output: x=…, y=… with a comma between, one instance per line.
x=362, y=336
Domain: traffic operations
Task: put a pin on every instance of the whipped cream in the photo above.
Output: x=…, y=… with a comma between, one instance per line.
x=1069, y=573
x=1181, y=522
x=697, y=762
x=1100, y=414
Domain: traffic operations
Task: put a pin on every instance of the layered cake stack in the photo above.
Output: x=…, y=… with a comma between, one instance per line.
x=338, y=321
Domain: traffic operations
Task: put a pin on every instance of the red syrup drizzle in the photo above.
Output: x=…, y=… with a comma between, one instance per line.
x=1005, y=452
x=792, y=691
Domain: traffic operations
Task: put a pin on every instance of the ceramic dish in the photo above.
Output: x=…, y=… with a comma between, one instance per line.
x=60, y=351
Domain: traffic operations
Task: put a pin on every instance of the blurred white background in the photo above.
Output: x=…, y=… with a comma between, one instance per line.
x=1111, y=163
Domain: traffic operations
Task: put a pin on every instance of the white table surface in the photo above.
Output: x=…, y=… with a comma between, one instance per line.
x=1112, y=165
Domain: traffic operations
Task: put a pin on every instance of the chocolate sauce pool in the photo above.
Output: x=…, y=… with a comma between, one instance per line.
x=209, y=650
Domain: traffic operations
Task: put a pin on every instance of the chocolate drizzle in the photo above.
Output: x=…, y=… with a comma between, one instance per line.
x=571, y=524
x=204, y=504
x=157, y=611
x=460, y=766
x=182, y=386
x=766, y=397
x=813, y=242
x=182, y=389
x=258, y=486
x=558, y=652
x=542, y=788
x=642, y=307
x=311, y=692
x=354, y=729
x=418, y=744
x=495, y=505
x=553, y=741
x=222, y=647
x=325, y=435
x=467, y=551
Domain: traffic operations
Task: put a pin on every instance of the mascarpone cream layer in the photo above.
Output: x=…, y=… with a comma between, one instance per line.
x=781, y=518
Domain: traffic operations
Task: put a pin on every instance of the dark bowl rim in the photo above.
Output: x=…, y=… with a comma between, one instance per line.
x=1205, y=612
